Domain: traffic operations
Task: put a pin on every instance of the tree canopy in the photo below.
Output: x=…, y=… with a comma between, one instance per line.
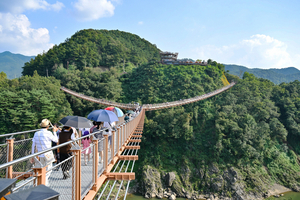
x=94, y=48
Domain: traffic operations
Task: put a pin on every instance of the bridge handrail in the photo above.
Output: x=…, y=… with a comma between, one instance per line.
x=45, y=151
x=58, y=146
x=82, y=186
x=21, y=132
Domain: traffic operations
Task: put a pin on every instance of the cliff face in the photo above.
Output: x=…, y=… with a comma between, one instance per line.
x=218, y=184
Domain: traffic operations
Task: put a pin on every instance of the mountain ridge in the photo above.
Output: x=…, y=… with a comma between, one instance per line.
x=12, y=63
x=277, y=76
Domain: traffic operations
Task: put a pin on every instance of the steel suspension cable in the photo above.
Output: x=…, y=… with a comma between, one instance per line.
x=129, y=180
x=108, y=181
x=123, y=153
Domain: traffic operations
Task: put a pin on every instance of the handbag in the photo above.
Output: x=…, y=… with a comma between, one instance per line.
x=49, y=156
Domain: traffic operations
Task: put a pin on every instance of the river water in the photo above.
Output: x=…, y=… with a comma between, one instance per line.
x=287, y=196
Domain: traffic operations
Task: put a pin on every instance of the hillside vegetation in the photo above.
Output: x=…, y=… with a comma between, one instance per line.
x=277, y=76
x=234, y=144
x=94, y=48
x=253, y=127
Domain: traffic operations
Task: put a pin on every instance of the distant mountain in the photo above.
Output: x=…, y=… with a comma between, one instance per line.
x=11, y=64
x=277, y=76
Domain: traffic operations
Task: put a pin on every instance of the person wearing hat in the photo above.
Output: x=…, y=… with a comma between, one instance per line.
x=86, y=142
x=42, y=140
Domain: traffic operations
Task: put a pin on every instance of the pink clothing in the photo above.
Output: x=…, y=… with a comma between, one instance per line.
x=86, y=144
x=91, y=129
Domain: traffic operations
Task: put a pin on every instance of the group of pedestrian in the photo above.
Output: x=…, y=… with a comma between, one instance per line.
x=44, y=139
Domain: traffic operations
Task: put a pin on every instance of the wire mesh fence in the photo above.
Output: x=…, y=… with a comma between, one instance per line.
x=25, y=175
x=61, y=178
x=115, y=143
x=109, y=149
x=25, y=184
x=21, y=149
x=101, y=156
x=3, y=158
x=87, y=176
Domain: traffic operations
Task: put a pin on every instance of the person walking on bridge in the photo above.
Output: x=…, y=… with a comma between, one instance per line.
x=99, y=135
x=67, y=134
x=42, y=141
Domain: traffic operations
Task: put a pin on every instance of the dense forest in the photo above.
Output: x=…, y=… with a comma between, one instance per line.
x=252, y=129
x=94, y=48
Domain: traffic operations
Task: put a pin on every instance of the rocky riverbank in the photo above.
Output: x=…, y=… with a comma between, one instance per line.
x=227, y=184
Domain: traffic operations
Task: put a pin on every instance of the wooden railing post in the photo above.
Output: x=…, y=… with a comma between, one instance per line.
x=123, y=135
x=113, y=146
x=95, y=164
x=10, y=156
x=118, y=140
x=40, y=174
x=77, y=173
x=105, y=163
x=120, y=136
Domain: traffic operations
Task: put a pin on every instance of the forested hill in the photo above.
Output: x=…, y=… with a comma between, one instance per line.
x=12, y=64
x=94, y=48
x=277, y=76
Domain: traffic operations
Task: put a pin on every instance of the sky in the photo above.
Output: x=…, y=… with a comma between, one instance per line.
x=253, y=33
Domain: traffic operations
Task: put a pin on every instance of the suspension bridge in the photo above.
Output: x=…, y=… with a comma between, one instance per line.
x=91, y=180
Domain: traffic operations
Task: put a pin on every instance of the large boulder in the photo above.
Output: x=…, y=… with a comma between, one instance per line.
x=185, y=174
x=151, y=182
x=170, y=177
x=217, y=184
x=177, y=188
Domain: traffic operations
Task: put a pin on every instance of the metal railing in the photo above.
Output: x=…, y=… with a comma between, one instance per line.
x=84, y=178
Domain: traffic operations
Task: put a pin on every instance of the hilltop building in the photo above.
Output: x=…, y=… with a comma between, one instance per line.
x=170, y=58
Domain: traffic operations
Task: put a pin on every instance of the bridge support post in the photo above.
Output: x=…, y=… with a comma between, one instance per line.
x=10, y=156
x=76, y=194
x=95, y=163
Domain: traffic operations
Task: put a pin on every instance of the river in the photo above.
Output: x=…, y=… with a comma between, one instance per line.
x=287, y=196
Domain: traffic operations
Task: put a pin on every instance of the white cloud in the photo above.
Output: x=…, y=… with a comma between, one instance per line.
x=19, y=6
x=87, y=10
x=260, y=51
x=17, y=36
x=140, y=23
